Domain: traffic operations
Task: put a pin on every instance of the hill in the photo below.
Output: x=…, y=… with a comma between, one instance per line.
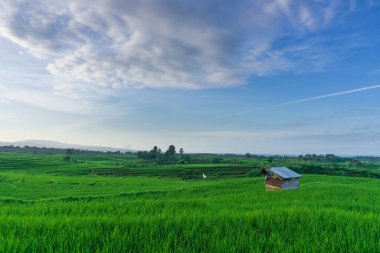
x=60, y=145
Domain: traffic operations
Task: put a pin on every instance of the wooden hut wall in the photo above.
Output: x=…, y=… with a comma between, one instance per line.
x=273, y=183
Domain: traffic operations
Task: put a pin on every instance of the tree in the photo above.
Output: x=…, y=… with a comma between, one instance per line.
x=181, y=151
x=330, y=157
x=154, y=154
x=142, y=154
x=171, y=151
x=248, y=155
x=307, y=157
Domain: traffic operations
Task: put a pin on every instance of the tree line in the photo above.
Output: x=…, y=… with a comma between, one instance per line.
x=169, y=156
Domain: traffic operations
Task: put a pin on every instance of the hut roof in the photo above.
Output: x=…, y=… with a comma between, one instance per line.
x=284, y=172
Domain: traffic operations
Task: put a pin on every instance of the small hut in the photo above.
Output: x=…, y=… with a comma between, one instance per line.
x=281, y=178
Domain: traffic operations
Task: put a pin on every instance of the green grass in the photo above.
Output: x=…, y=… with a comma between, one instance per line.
x=108, y=165
x=48, y=205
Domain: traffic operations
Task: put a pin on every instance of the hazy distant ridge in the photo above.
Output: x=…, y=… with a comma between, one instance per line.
x=55, y=144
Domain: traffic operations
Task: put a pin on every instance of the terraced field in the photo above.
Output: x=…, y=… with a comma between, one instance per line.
x=180, y=171
x=49, y=205
x=109, y=165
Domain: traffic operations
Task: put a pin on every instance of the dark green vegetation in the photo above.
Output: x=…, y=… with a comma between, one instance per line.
x=119, y=203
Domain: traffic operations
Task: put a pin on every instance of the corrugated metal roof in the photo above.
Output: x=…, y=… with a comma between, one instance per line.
x=284, y=172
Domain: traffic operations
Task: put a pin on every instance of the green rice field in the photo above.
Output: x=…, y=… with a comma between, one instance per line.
x=117, y=204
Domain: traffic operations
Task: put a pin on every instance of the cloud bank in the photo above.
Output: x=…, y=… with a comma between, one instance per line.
x=166, y=43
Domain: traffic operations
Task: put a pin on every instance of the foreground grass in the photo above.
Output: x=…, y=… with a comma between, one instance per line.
x=328, y=214
x=111, y=203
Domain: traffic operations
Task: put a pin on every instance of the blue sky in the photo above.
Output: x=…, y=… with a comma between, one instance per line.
x=208, y=76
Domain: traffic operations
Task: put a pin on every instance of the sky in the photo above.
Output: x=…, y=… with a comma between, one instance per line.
x=221, y=76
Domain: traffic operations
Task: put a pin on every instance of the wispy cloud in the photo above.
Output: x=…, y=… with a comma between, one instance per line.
x=6, y=116
x=259, y=134
x=319, y=97
x=43, y=99
x=304, y=100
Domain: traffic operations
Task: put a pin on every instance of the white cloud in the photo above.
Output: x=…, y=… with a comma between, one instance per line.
x=150, y=43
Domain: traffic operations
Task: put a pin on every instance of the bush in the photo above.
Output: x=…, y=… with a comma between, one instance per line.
x=182, y=161
x=216, y=160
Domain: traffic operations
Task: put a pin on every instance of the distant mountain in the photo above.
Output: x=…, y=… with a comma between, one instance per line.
x=55, y=144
